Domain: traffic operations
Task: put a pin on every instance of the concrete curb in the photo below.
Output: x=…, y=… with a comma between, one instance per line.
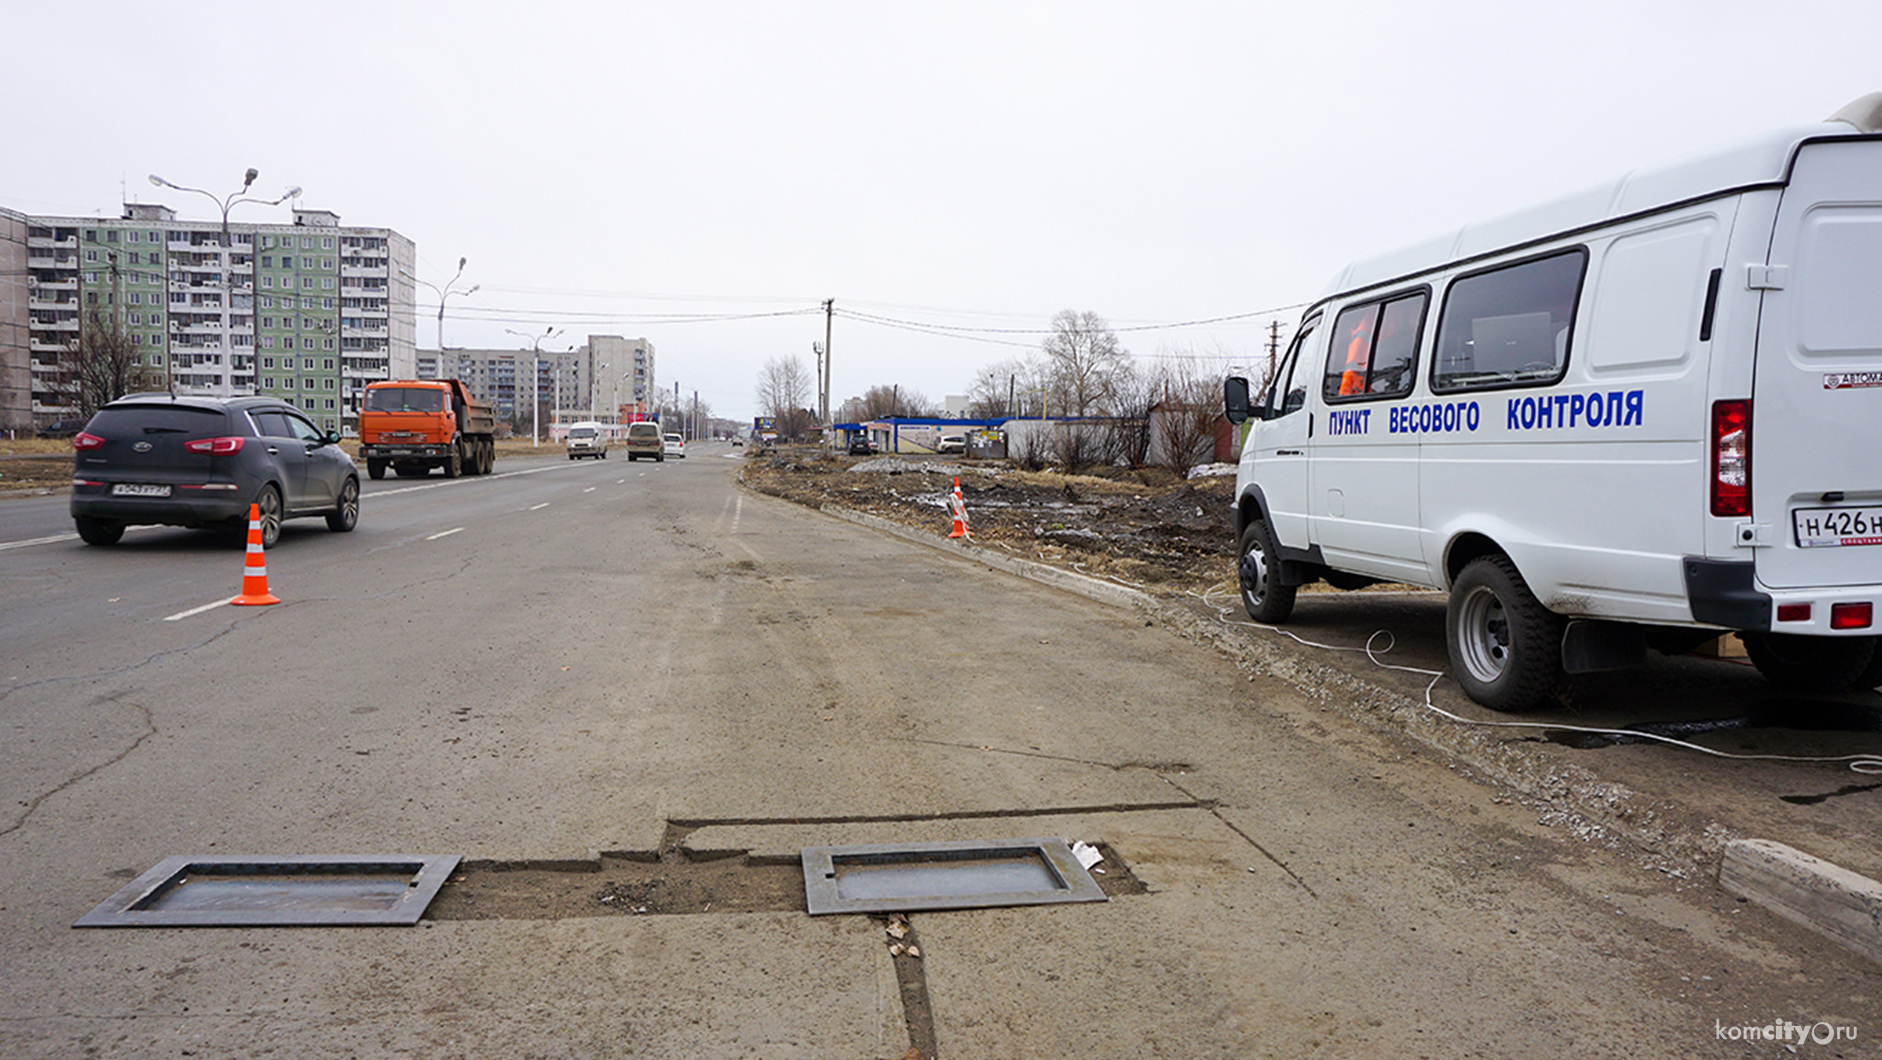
x=1819, y=895
x=1092, y=588
x=1828, y=899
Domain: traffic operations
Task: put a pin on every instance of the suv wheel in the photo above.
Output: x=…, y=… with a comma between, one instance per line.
x=95, y=531
x=345, y=515
x=268, y=503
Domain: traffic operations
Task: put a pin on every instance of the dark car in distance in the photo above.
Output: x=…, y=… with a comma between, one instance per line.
x=61, y=428
x=862, y=447
x=197, y=462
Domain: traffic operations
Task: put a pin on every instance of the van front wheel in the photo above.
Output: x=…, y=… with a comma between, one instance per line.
x=1798, y=663
x=1505, y=647
x=1263, y=596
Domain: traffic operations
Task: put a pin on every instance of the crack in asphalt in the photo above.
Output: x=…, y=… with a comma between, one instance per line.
x=30, y=807
x=1216, y=811
x=146, y=661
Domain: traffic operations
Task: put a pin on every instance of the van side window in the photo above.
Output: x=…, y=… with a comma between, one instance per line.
x=1374, y=347
x=1509, y=326
x=1290, y=382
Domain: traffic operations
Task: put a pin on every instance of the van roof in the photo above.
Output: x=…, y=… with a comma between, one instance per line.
x=1762, y=161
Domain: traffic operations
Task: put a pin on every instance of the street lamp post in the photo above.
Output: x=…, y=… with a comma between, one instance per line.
x=444, y=293
x=225, y=204
x=535, y=380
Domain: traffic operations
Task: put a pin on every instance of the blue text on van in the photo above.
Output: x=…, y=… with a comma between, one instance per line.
x=1616, y=408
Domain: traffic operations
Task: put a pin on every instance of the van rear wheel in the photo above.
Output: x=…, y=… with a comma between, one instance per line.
x=1800, y=663
x=1505, y=647
x=1263, y=596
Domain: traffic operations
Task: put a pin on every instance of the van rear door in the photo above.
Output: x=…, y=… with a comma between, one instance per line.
x=1816, y=410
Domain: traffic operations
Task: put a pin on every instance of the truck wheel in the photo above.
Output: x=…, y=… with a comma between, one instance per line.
x=1263, y=596
x=98, y=531
x=345, y=514
x=1799, y=663
x=490, y=455
x=1505, y=647
x=454, y=464
x=375, y=469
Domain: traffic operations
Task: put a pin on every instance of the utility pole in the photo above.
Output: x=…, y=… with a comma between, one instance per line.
x=829, y=311
x=1274, y=345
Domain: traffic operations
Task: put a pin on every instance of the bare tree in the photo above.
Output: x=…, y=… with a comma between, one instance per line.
x=882, y=402
x=784, y=388
x=1088, y=362
x=1013, y=387
x=1187, y=399
x=103, y=365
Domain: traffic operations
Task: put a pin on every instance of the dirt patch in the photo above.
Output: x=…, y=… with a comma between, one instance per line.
x=1149, y=528
x=36, y=471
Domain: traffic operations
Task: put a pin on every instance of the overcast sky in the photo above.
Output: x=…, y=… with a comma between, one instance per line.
x=676, y=170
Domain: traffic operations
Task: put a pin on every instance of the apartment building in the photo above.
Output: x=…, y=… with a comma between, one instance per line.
x=16, y=361
x=608, y=375
x=309, y=311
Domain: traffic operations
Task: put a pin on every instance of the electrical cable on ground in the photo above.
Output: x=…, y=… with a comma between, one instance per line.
x=1859, y=763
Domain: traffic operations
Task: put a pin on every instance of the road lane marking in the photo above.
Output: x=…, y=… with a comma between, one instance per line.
x=463, y=481
x=535, y=507
x=446, y=533
x=590, y=489
x=195, y=611
x=53, y=540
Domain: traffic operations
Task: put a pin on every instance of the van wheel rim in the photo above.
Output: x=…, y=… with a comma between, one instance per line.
x=1254, y=574
x=1483, y=635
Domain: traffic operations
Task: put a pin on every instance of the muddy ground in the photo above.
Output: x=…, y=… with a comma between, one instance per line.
x=1149, y=528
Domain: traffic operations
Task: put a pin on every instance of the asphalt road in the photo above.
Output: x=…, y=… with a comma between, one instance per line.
x=563, y=660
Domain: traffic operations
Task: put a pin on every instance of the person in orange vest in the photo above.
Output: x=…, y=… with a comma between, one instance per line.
x=1358, y=352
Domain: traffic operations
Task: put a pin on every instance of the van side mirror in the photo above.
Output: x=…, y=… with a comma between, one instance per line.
x=333, y=437
x=1235, y=399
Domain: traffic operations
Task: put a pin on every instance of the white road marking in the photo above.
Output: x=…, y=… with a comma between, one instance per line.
x=536, y=507
x=590, y=489
x=53, y=540
x=195, y=611
x=446, y=533
x=463, y=481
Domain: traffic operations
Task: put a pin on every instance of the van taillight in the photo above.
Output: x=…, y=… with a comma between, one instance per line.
x=81, y=440
x=1852, y=616
x=1731, y=458
x=215, y=446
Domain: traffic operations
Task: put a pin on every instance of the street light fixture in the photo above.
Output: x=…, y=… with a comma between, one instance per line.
x=225, y=204
x=535, y=380
x=444, y=293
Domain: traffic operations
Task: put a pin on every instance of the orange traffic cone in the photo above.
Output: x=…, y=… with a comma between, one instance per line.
x=959, y=507
x=255, y=566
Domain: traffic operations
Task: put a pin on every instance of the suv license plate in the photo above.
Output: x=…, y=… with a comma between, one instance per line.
x=139, y=489
x=1837, y=527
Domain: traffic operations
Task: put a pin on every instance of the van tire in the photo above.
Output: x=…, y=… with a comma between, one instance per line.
x=1257, y=572
x=1799, y=663
x=1505, y=647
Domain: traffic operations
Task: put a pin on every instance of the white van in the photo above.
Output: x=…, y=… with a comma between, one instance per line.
x=588, y=438
x=1631, y=418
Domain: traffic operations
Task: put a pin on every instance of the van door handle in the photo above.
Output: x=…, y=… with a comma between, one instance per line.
x=1290, y=452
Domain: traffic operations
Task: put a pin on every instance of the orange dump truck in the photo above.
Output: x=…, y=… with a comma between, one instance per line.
x=414, y=425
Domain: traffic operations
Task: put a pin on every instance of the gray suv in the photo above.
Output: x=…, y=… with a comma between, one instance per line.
x=189, y=461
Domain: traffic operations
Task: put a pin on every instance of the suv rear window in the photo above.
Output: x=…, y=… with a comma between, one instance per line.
x=157, y=419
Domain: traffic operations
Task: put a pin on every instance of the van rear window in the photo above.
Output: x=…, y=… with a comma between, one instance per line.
x=1509, y=326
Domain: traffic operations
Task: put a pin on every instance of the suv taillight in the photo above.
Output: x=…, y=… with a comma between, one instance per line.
x=215, y=446
x=1731, y=458
x=81, y=440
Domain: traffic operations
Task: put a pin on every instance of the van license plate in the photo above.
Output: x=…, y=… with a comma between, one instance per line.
x=1837, y=527
x=139, y=489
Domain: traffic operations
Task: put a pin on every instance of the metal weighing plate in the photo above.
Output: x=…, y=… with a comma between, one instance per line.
x=881, y=878
x=313, y=890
